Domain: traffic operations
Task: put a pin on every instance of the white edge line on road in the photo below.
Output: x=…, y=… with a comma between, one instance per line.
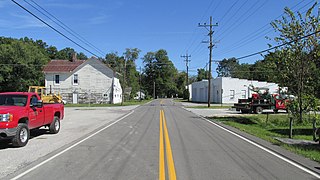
x=267, y=150
x=67, y=149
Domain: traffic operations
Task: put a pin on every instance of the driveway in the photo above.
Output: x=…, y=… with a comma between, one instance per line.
x=78, y=123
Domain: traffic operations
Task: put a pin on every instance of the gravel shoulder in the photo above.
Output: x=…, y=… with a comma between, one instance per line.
x=78, y=122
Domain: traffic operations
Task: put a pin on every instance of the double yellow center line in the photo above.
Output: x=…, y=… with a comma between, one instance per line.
x=165, y=141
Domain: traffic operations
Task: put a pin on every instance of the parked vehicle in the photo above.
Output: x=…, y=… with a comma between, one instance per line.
x=261, y=101
x=22, y=111
x=45, y=96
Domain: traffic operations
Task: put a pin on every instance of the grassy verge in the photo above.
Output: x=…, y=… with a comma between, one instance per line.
x=276, y=126
x=126, y=103
x=180, y=100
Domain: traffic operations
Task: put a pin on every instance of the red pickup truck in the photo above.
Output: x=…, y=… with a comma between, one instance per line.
x=22, y=111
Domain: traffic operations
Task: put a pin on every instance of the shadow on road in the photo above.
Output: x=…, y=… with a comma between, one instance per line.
x=306, y=132
x=238, y=119
x=6, y=143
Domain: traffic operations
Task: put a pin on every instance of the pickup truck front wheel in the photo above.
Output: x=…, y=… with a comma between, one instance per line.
x=259, y=110
x=22, y=136
x=55, y=125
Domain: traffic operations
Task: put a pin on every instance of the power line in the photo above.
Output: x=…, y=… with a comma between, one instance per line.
x=64, y=26
x=260, y=52
x=54, y=28
x=232, y=16
x=205, y=13
x=193, y=39
x=238, y=22
x=253, y=36
x=218, y=5
x=229, y=10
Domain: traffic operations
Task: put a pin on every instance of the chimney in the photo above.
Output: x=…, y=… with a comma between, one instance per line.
x=74, y=57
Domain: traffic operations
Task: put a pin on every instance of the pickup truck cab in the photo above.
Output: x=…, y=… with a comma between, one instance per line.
x=22, y=111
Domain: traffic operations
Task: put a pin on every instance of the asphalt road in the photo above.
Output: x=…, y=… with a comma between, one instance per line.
x=161, y=140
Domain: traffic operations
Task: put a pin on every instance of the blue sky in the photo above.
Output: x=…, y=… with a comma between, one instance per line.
x=150, y=25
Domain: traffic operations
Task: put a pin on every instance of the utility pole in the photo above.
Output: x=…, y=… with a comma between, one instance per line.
x=124, y=81
x=140, y=84
x=154, y=90
x=210, y=53
x=187, y=65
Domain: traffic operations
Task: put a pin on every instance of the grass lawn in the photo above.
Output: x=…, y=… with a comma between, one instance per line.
x=126, y=103
x=276, y=126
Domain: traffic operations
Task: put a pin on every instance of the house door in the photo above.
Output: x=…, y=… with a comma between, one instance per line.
x=75, y=98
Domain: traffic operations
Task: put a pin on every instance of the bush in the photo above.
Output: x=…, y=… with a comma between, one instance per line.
x=186, y=94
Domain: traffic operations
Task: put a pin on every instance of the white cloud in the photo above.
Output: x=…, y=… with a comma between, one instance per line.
x=21, y=22
x=75, y=6
x=100, y=19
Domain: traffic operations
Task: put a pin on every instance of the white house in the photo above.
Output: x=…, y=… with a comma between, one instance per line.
x=227, y=89
x=83, y=81
x=137, y=96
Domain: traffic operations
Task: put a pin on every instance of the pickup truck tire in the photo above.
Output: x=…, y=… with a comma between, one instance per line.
x=54, y=127
x=258, y=110
x=22, y=136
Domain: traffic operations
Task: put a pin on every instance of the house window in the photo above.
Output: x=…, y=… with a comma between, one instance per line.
x=75, y=79
x=57, y=79
x=231, y=94
x=243, y=94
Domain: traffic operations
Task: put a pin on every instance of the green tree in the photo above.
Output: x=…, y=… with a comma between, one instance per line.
x=232, y=68
x=65, y=53
x=21, y=64
x=114, y=61
x=263, y=70
x=243, y=71
x=160, y=71
x=202, y=74
x=52, y=52
x=81, y=56
x=131, y=73
x=227, y=67
x=297, y=59
x=181, y=82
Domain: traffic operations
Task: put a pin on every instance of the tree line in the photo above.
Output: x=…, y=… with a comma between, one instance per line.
x=157, y=78
x=22, y=61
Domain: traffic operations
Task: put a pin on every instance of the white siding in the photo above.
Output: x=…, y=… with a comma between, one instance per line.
x=117, y=95
x=95, y=82
x=224, y=88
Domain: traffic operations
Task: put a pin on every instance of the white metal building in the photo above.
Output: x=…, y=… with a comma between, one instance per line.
x=227, y=89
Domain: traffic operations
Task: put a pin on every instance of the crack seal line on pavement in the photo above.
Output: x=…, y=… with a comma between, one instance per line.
x=67, y=149
x=297, y=165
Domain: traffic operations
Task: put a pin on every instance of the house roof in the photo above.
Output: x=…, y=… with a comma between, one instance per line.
x=62, y=66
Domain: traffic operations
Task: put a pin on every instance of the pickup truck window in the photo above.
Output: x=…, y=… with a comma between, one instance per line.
x=13, y=100
x=33, y=100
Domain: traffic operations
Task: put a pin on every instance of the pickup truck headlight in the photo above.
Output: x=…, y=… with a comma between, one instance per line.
x=6, y=117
